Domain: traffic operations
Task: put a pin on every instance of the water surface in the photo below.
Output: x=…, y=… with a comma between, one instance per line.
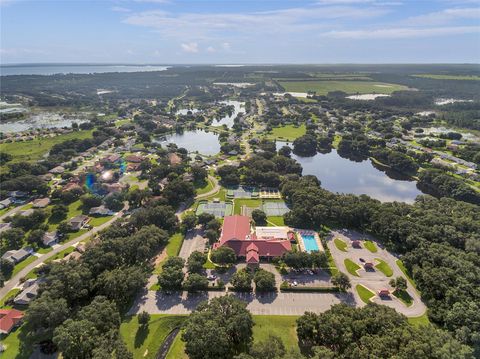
x=199, y=141
x=50, y=69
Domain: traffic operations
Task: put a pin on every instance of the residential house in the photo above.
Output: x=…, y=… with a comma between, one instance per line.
x=5, y=226
x=57, y=170
x=49, y=239
x=174, y=158
x=9, y=319
x=29, y=292
x=78, y=222
x=100, y=211
x=134, y=158
x=16, y=255
x=41, y=202
x=7, y=202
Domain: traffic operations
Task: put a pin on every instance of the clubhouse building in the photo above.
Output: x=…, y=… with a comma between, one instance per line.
x=262, y=243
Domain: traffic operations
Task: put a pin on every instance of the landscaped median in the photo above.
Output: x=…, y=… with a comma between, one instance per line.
x=383, y=267
x=341, y=245
x=364, y=293
x=352, y=267
x=370, y=246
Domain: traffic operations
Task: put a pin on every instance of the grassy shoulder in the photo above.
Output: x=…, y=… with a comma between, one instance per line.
x=404, y=271
x=352, y=267
x=23, y=264
x=33, y=150
x=364, y=293
x=419, y=321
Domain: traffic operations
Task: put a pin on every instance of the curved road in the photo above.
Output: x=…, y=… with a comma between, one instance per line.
x=15, y=280
x=215, y=189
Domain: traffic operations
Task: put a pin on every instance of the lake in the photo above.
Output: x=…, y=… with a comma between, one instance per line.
x=341, y=175
x=199, y=141
x=50, y=69
x=41, y=120
x=239, y=107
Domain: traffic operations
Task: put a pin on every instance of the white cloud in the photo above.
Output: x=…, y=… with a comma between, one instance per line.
x=444, y=16
x=226, y=46
x=211, y=49
x=191, y=47
x=399, y=33
x=120, y=9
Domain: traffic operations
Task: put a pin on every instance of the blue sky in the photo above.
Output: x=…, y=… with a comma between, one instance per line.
x=240, y=31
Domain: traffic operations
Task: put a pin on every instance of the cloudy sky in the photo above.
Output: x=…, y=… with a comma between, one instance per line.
x=240, y=31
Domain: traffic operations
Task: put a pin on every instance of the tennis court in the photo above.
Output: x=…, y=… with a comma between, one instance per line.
x=242, y=192
x=218, y=209
x=275, y=208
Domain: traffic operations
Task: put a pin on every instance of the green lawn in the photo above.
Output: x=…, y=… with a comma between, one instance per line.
x=288, y=132
x=404, y=297
x=74, y=209
x=449, y=77
x=204, y=187
x=61, y=254
x=332, y=267
x=383, y=267
x=364, y=293
x=13, y=349
x=98, y=221
x=419, y=321
x=341, y=245
x=275, y=221
x=9, y=295
x=23, y=264
x=350, y=87
x=173, y=248
x=33, y=150
x=283, y=326
x=370, y=246
x=404, y=271
x=144, y=343
x=352, y=267
x=252, y=203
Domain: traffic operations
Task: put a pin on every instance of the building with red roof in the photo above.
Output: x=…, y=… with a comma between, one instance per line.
x=9, y=319
x=237, y=234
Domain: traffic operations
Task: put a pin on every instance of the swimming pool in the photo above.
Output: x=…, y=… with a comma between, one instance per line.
x=309, y=242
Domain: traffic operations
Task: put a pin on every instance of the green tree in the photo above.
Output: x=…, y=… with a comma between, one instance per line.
x=342, y=281
x=399, y=283
x=76, y=339
x=270, y=348
x=242, y=280
x=195, y=282
x=264, y=281
x=196, y=261
x=189, y=221
x=259, y=217
x=143, y=319
x=171, y=278
x=224, y=256
x=220, y=328
x=59, y=213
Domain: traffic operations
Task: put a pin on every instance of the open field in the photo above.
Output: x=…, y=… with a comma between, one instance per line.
x=449, y=77
x=144, y=343
x=283, y=326
x=349, y=87
x=288, y=133
x=33, y=150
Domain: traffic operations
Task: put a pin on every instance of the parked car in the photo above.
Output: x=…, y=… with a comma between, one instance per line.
x=211, y=277
x=362, y=260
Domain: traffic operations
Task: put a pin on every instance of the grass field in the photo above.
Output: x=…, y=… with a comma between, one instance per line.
x=418, y=321
x=12, y=344
x=205, y=187
x=33, y=150
x=383, y=267
x=350, y=87
x=144, y=343
x=370, y=246
x=288, y=132
x=352, y=267
x=98, y=221
x=341, y=245
x=364, y=293
x=449, y=77
x=239, y=203
x=283, y=326
x=275, y=221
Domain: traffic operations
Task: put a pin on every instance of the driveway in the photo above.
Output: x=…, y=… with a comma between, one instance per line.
x=373, y=280
x=193, y=242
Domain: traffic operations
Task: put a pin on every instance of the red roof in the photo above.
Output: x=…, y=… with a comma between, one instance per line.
x=252, y=257
x=236, y=235
x=8, y=319
x=235, y=227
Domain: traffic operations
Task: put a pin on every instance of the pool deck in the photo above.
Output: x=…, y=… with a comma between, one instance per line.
x=315, y=235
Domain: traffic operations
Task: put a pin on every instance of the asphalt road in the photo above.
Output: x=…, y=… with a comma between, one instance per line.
x=15, y=280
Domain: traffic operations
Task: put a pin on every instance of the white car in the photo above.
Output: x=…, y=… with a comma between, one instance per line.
x=295, y=283
x=211, y=277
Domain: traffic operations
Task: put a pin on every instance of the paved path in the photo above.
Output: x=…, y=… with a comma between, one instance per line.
x=193, y=242
x=374, y=280
x=15, y=280
x=215, y=189
x=13, y=211
x=267, y=304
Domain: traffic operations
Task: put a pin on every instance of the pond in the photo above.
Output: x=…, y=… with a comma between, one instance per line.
x=185, y=111
x=199, y=141
x=239, y=107
x=41, y=120
x=341, y=175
